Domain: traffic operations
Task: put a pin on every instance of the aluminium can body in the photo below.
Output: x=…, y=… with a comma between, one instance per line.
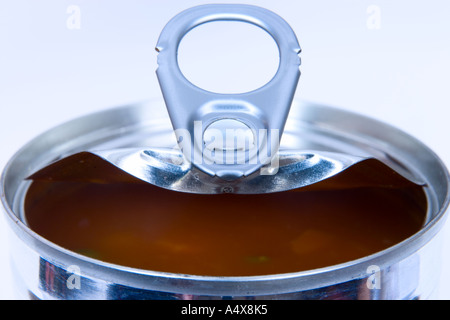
x=407, y=270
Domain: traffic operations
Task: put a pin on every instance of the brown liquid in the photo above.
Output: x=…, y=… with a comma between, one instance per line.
x=130, y=223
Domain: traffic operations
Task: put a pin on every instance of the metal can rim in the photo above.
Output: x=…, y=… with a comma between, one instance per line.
x=255, y=285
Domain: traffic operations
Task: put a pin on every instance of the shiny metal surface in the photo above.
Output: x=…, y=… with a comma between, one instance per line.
x=408, y=270
x=264, y=109
x=169, y=169
x=207, y=159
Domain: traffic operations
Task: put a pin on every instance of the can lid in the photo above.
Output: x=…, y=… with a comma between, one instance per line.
x=227, y=142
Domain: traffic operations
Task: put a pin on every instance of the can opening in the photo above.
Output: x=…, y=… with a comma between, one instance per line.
x=102, y=212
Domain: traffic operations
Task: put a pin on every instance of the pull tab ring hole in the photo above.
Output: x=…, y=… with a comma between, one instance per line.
x=228, y=57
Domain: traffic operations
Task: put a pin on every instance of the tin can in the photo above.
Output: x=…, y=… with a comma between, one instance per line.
x=408, y=269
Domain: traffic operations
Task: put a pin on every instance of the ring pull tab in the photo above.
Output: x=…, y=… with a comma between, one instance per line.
x=228, y=135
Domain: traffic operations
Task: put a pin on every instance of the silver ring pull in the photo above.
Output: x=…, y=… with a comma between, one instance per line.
x=228, y=135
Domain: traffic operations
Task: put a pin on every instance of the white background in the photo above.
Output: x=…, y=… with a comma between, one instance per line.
x=386, y=59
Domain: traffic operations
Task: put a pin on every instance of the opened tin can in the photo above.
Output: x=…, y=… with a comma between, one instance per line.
x=372, y=155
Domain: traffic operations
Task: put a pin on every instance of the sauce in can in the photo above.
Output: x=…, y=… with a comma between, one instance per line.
x=117, y=218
